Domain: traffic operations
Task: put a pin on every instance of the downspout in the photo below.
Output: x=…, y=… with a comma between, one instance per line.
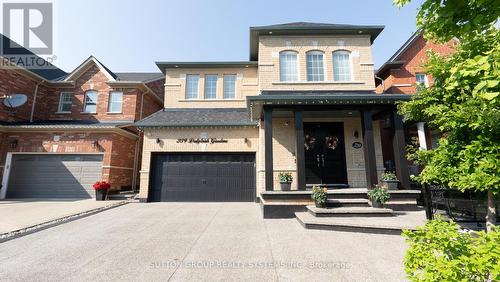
x=34, y=100
x=137, y=144
x=382, y=82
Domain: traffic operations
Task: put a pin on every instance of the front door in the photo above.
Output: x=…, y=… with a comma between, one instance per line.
x=325, y=153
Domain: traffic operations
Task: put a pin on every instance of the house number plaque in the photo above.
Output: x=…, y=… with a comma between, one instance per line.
x=357, y=145
x=202, y=140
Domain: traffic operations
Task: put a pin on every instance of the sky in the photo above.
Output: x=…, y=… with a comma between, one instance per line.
x=130, y=36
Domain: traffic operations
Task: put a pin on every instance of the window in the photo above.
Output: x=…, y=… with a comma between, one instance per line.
x=422, y=81
x=341, y=66
x=315, y=70
x=90, y=103
x=115, y=102
x=288, y=66
x=210, y=86
x=229, y=86
x=192, y=86
x=65, y=102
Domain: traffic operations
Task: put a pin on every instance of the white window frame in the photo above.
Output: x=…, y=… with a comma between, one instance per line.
x=205, y=86
x=315, y=52
x=197, y=96
x=110, y=101
x=85, y=101
x=349, y=61
x=419, y=83
x=224, y=86
x=289, y=52
x=62, y=102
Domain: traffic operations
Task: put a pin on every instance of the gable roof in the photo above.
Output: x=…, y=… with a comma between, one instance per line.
x=308, y=28
x=86, y=64
x=139, y=76
x=394, y=61
x=49, y=72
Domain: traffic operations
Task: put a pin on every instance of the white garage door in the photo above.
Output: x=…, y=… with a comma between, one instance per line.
x=54, y=176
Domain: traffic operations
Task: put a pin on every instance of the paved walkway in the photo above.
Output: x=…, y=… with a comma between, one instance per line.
x=198, y=242
x=22, y=213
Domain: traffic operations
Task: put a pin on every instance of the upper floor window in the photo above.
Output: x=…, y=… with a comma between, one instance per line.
x=192, y=86
x=288, y=66
x=341, y=66
x=115, y=102
x=65, y=102
x=422, y=81
x=210, y=86
x=90, y=103
x=315, y=70
x=229, y=86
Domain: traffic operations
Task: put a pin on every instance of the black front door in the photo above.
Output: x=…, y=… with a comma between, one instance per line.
x=325, y=153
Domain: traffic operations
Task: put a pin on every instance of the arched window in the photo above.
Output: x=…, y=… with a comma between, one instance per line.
x=90, y=102
x=341, y=66
x=288, y=66
x=315, y=69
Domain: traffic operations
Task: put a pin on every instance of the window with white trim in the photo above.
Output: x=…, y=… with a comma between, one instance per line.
x=288, y=66
x=422, y=81
x=229, y=86
x=315, y=69
x=90, y=102
x=211, y=86
x=341, y=66
x=65, y=102
x=192, y=86
x=115, y=102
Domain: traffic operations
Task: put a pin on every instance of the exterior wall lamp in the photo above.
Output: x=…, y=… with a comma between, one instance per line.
x=14, y=143
x=95, y=143
x=356, y=134
x=158, y=141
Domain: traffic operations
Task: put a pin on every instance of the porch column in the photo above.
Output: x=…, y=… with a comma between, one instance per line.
x=422, y=138
x=369, y=148
x=268, y=147
x=399, y=145
x=299, y=149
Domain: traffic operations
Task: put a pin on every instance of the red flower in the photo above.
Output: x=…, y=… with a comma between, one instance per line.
x=101, y=185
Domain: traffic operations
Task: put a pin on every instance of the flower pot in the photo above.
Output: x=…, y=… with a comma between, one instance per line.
x=100, y=195
x=376, y=204
x=391, y=184
x=285, y=186
x=320, y=205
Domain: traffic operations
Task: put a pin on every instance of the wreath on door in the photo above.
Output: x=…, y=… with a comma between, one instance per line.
x=331, y=142
x=309, y=142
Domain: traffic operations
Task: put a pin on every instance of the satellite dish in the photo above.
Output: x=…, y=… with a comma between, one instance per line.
x=15, y=100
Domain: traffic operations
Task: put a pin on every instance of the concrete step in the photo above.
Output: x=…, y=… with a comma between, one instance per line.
x=349, y=212
x=347, y=202
x=385, y=225
x=126, y=195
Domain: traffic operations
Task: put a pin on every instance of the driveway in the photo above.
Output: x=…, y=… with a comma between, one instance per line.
x=23, y=213
x=198, y=242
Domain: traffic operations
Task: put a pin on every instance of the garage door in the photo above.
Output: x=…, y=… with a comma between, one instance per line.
x=54, y=176
x=203, y=177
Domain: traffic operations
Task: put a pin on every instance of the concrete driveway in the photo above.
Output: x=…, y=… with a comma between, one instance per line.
x=198, y=242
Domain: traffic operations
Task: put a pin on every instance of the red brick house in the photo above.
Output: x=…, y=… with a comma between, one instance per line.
x=404, y=73
x=74, y=129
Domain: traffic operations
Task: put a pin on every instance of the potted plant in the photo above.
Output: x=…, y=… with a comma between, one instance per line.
x=101, y=190
x=285, y=181
x=378, y=196
x=391, y=180
x=319, y=195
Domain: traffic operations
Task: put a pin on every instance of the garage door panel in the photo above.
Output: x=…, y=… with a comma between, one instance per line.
x=54, y=176
x=203, y=177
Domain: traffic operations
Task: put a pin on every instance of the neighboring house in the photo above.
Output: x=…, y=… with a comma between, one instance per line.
x=76, y=128
x=404, y=73
x=304, y=103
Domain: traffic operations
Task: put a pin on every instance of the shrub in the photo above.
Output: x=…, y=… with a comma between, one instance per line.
x=379, y=194
x=285, y=177
x=319, y=195
x=101, y=185
x=389, y=176
x=439, y=251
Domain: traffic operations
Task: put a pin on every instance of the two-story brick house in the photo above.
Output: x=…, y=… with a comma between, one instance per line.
x=75, y=128
x=304, y=103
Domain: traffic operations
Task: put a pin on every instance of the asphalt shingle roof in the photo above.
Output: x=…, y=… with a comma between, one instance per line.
x=198, y=117
x=139, y=76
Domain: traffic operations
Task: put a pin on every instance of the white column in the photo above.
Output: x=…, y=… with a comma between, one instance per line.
x=421, y=136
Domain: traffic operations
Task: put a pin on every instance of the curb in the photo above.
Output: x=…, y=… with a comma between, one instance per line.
x=4, y=237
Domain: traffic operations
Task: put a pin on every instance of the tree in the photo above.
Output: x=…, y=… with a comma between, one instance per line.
x=463, y=102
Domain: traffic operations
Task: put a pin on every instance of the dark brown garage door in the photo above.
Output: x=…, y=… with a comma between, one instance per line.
x=202, y=177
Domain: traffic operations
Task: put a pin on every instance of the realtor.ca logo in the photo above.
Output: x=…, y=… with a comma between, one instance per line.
x=27, y=30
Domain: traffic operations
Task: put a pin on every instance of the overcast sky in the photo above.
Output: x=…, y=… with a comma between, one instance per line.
x=128, y=35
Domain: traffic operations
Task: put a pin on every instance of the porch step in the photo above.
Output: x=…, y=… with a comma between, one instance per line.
x=354, y=202
x=349, y=212
x=122, y=195
x=363, y=225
